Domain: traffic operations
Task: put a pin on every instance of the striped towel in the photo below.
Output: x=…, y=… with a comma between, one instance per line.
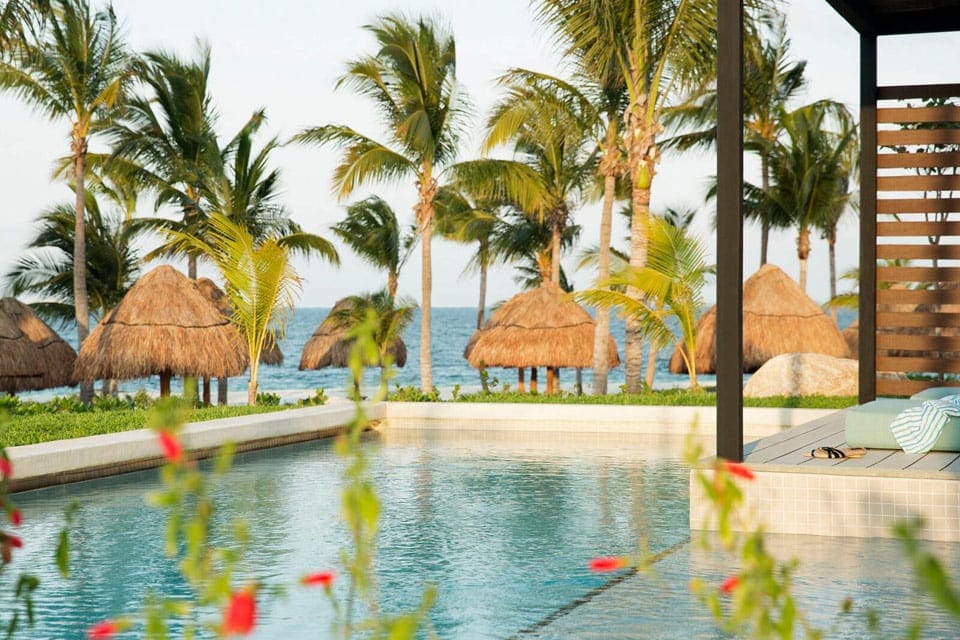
x=917, y=428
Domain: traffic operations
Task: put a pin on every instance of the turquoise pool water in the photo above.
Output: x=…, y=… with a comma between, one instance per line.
x=502, y=526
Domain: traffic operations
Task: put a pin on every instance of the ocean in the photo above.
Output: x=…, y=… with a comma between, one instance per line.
x=452, y=327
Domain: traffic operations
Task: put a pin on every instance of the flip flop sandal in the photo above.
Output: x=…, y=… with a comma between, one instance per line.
x=834, y=453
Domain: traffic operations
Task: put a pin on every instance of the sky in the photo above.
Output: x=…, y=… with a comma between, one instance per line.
x=285, y=56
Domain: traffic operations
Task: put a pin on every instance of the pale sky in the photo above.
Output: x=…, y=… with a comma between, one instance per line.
x=285, y=55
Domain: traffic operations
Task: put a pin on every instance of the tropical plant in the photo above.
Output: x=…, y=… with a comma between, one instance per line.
x=166, y=140
x=663, y=50
x=387, y=318
x=260, y=283
x=412, y=80
x=467, y=219
x=76, y=69
x=372, y=231
x=20, y=20
x=45, y=269
x=771, y=80
x=525, y=241
x=548, y=125
x=672, y=284
x=810, y=170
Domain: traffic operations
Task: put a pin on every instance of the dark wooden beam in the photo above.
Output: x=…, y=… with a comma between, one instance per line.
x=729, y=339
x=933, y=20
x=918, y=91
x=868, y=218
x=855, y=13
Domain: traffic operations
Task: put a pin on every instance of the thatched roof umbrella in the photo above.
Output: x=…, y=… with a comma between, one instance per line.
x=778, y=317
x=32, y=355
x=542, y=327
x=166, y=326
x=329, y=346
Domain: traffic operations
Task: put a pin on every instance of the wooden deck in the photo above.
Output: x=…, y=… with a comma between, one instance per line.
x=791, y=448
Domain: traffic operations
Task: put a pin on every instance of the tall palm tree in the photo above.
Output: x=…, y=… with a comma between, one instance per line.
x=771, y=80
x=76, y=70
x=371, y=229
x=663, y=51
x=548, y=125
x=45, y=269
x=810, y=172
x=261, y=283
x=166, y=141
x=412, y=80
x=526, y=242
x=467, y=219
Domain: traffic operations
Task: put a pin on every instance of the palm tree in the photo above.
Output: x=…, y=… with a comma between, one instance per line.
x=390, y=318
x=525, y=241
x=261, y=283
x=166, y=141
x=45, y=269
x=412, y=80
x=672, y=283
x=372, y=230
x=77, y=70
x=467, y=219
x=771, y=81
x=664, y=50
x=810, y=172
x=548, y=125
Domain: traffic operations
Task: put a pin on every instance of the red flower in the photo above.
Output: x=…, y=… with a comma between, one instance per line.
x=241, y=613
x=607, y=563
x=14, y=541
x=728, y=585
x=5, y=467
x=322, y=578
x=739, y=469
x=103, y=630
x=15, y=517
x=172, y=449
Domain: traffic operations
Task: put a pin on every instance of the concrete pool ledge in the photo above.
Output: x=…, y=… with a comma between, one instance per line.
x=63, y=461
x=572, y=418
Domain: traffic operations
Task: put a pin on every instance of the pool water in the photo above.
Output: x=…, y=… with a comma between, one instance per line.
x=502, y=526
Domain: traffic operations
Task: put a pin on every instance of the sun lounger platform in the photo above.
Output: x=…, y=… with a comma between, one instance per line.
x=868, y=425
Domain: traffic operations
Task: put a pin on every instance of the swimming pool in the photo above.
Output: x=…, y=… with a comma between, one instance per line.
x=503, y=526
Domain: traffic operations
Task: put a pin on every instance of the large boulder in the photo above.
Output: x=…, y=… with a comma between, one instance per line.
x=804, y=374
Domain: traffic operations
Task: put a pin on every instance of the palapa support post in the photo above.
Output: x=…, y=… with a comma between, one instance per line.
x=520, y=382
x=533, y=379
x=165, y=384
x=222, y=391
x=206, y=391
x=579, y=381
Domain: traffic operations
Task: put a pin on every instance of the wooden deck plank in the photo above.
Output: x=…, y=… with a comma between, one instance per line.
x=895, y=459
x=954, y=466
x=799, y=431
x=934, y=461
x=873, y=458
x=830, y=434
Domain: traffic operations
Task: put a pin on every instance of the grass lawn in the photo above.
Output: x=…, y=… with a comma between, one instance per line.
x=43, y=427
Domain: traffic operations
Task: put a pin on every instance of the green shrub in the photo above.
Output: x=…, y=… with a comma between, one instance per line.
x=318, y=398
x=413, y=394
x=268, y=399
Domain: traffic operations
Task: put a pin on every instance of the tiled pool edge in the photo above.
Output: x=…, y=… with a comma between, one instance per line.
x=572, y=418
x=831, y=502
x=62, y=461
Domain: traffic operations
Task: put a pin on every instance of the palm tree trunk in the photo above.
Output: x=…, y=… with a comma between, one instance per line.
x=426, y=362
x=392, y=279
x=764, y=220
x=252, y=387
x=832, y=249
x=651, y=365
x=80, y=298
x=482, y=306
x=803, y=252
x=602, y=329
x=555, y=234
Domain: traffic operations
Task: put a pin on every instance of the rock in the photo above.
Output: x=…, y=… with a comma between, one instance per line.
x=804, y=374
x=852, y=335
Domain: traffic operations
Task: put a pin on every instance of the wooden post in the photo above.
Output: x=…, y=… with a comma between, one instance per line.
x=533, y=379
x=222, y=391
x=165, y=384
x=550, y=381
x=521, y=385
x=206, y=391
x=729, y=337
x=868, y=219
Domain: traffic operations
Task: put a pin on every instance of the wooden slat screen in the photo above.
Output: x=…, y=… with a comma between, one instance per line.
x=918, y=243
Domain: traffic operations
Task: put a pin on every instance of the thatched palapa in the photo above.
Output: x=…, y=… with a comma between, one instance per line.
x=271, y=354
x=778, y=317
x=542, y=327
x=164, y=325
x=32, y=355
x=329, y=346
